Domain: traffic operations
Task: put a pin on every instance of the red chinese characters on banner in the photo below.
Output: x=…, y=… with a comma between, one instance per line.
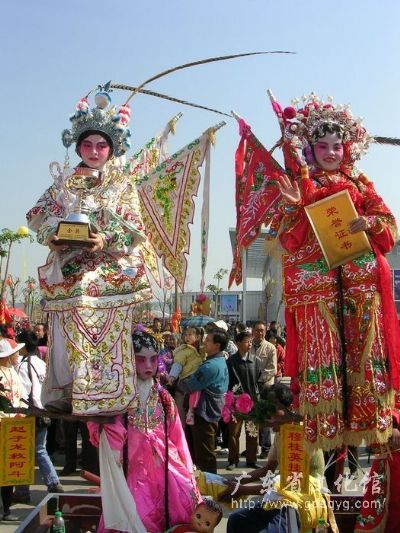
x=17, y=451
x=294, y=463
x=341, y=232
x=330, y=218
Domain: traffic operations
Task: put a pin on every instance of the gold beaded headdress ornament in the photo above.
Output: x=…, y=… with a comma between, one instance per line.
x=303, y=123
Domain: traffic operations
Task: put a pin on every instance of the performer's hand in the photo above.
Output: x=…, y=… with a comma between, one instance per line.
x=358, y=224
x=226, y=496
x=54, y=247
x=395, y=440
x=97, y=242
x=290, y=191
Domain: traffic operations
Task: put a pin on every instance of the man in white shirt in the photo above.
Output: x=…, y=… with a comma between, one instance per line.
x=266, y=351
x=32, y=370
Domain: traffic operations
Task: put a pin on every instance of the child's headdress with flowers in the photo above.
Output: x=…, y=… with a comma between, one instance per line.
x=143, y=337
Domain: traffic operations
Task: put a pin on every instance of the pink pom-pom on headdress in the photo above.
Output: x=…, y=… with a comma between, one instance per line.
x=289, y=112
x=125, y=114
x=82, y=105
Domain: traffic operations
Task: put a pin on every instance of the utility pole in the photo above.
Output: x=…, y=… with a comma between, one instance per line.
x=177, y=297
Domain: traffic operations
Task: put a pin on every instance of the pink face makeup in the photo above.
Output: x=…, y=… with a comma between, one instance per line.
x=94, y=151
x=146, y=363
x=328, y=151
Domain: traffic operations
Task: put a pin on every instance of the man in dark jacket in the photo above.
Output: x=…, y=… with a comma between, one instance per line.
x=245, y=373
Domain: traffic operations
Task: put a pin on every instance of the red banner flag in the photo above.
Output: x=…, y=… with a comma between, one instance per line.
x=257, y=194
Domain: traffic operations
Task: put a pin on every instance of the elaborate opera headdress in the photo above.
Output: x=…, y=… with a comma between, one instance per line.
x=304, y=122
x=104, y=118
x=143, y=337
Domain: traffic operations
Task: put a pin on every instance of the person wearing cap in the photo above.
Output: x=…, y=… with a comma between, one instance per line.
x=231, y=347
x=11, y=388
x=32, y=370
x=212, y=379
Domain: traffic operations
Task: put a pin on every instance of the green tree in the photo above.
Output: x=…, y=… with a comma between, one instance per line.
x=215, y=289
x=7, y=239
x=31, y=296
x=12, y=284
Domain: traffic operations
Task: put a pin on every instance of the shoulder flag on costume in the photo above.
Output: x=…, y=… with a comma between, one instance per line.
x=139, y=165
x=166, y=197
x=257, y=194
x=153, y=152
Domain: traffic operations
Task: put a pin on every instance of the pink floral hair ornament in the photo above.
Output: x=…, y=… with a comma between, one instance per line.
x=143, y=337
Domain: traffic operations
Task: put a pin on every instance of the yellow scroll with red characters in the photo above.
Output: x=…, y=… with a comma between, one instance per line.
x=17, y=451
x=294, y=464
x=330, y=220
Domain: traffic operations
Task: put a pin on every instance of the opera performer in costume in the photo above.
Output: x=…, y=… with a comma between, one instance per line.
x=159, y=469
x=342, y=329
x=341, y=323
x=90, y=292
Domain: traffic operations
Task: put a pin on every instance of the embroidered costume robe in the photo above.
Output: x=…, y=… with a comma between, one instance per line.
x=146, y=441
x=91, y=297
x=313, y=305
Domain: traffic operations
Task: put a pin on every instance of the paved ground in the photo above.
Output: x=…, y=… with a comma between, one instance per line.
x=75, y=484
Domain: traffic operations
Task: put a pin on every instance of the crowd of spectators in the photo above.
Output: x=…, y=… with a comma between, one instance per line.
x=198, y=366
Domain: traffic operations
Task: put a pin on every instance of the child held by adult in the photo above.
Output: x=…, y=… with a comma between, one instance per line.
x=187, y=359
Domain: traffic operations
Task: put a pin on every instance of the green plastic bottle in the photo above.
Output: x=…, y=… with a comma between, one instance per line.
x=58, y=523
x=322, y=526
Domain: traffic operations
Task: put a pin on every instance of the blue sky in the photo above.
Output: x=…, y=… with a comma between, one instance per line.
x=53, y=52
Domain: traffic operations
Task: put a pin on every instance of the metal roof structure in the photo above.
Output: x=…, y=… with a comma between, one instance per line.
x=256, y=256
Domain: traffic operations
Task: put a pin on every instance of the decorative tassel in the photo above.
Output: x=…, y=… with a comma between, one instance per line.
x=211, y=132
x=211, y=136
x=66, y=160
x=173, y=121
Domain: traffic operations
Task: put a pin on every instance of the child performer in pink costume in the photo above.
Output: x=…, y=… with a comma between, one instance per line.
x=156, y=448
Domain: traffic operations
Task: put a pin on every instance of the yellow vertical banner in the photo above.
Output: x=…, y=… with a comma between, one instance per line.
x=17, y=451
x=293, y=459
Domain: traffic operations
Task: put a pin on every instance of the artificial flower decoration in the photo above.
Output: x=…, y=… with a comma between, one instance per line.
x=244, y=403
x=143, y=337
x=22, y=231
x=258, y=411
